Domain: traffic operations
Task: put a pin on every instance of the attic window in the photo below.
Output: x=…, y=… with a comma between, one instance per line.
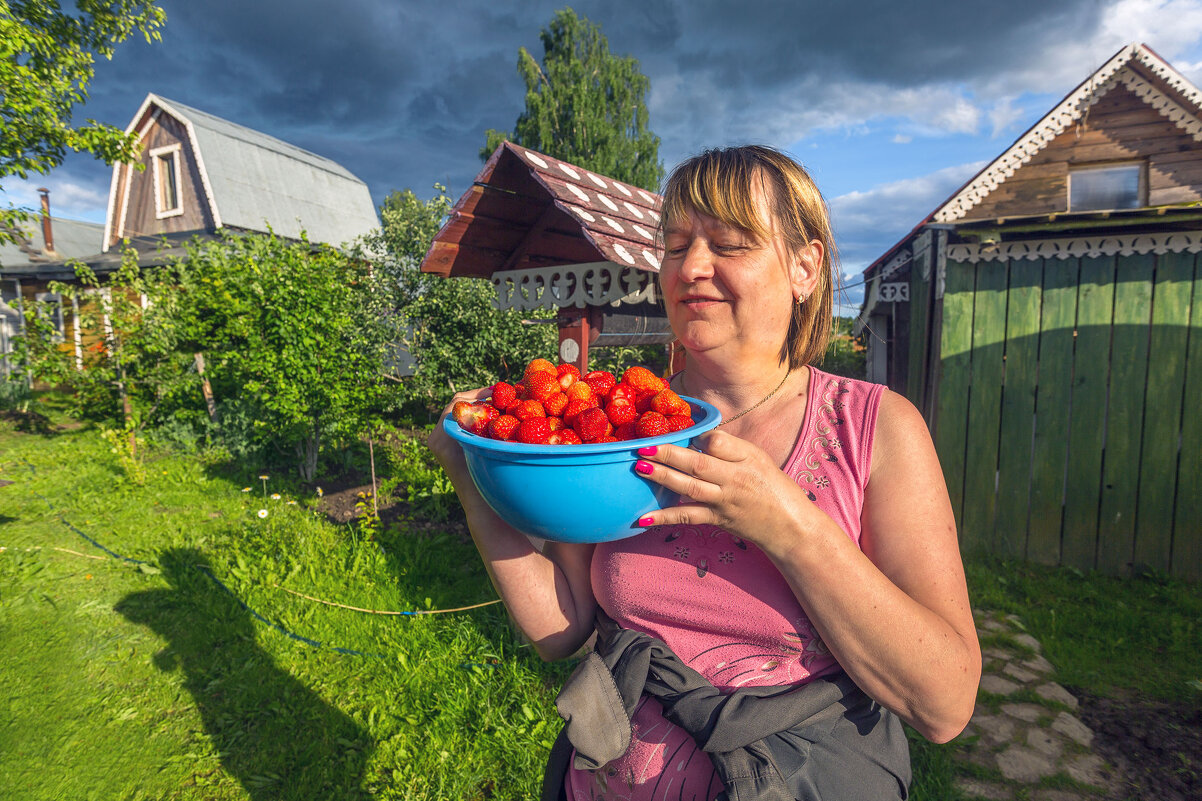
x=1106, y=188
x=167, y=201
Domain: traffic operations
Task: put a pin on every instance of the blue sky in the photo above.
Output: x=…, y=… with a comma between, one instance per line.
x=891, y=106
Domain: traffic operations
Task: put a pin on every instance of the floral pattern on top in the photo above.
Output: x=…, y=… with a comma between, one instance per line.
x=822, y=438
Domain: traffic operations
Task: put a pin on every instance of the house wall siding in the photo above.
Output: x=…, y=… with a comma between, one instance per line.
x=140, y=214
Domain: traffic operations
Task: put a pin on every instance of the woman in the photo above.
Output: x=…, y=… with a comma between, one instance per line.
x=814, y=539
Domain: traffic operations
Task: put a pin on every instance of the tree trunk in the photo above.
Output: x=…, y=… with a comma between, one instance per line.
x=306, y=451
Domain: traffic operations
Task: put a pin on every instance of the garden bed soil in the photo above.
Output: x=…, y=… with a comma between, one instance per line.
x=1157, y=747
x=348, y=497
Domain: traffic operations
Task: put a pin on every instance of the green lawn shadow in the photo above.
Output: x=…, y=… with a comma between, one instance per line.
x=277, y=737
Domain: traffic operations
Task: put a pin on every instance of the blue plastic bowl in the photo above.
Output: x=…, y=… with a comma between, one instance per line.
x=572, y=493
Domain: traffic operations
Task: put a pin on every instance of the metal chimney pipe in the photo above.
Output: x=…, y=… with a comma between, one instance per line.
x=47, y=228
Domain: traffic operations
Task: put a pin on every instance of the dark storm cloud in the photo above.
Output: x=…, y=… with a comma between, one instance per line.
x=401, y=92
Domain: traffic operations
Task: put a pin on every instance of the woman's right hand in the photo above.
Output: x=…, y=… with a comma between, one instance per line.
x=446, y=450
x=548, y=592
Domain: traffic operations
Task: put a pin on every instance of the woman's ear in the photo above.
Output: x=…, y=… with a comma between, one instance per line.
x=806, y=269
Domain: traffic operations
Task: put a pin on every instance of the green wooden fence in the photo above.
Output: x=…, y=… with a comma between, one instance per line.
x=1069, y=410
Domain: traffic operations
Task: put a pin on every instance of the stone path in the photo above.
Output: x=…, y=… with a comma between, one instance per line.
x=1025, y=742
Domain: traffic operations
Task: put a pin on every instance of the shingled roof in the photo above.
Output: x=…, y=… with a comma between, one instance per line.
x=527, y=209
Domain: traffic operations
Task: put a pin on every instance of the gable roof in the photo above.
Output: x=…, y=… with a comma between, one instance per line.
x=255, y=181
x=1136, y=66
x=527, y=209
x=1176, y=98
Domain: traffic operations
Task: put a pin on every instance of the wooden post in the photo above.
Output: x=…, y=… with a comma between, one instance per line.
x=575, y=334
x=77, y=335
x=375, y=509
x=205, y=386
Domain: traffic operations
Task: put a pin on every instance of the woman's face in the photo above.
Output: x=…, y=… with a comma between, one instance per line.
x=728, y=294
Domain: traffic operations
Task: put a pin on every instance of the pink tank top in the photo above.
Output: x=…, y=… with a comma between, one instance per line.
x=722, y=606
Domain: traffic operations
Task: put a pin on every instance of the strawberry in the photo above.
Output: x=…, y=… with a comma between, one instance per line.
x=651, y=424
x=540, y=366
x=565, y=436
x=524, y=410
x=620, y=412
x=556, y=423
x=504, y=427
x=626, y=431
x=534, y=431
x=642, y=402
x=679, y=422
x=624, y=392
x=474, y=417
x=592, y=424
x=668, y=403
x=541, y=385
x=582, y=391
x=503, y=396
x=574, y=408
x=610, y=438
x=602, y=381
x=642, y=379
x=556, y=404
x=568, y=375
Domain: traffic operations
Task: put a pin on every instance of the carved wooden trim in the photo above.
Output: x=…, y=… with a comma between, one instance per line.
x=577, y=285
x=1076, y=247
x=1070, y=110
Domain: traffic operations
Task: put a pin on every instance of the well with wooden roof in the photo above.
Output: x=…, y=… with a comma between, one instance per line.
x=552, y=235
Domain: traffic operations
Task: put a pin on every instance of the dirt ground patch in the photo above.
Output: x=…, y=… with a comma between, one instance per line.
x=1157, y=747
x=349, y=497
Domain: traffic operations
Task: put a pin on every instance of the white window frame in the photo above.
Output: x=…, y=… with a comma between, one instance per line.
x=155, y=156
x=57, y=319
x=1142, y=191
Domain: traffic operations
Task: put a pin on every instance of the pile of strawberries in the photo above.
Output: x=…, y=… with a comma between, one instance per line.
x=555, y=405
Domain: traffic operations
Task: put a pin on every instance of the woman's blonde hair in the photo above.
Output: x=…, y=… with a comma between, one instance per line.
x=720, y=183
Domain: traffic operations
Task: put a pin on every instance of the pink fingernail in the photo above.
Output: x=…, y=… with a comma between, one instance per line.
x=643, y=467
x=648, y=450
x=646, y=521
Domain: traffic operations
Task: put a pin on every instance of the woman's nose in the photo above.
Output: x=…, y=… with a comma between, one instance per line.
x=696, y=264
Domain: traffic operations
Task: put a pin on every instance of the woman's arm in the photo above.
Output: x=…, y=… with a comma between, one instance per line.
x=548, y=594
x=896, y=614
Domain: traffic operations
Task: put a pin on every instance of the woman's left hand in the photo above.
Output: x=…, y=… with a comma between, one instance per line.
x=729, y=482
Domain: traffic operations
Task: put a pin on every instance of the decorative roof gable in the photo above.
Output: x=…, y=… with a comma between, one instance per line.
x=527, y=209
x=1175, y=98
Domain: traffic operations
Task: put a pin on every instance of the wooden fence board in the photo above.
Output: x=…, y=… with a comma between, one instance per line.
x=920, y=319
x=1053, y=400
x=1124, y=416
x=1018, y=408
x=955, y=363
x=984, y=413
x=1091, y=357
x=1187, y=525
x=1162, y=410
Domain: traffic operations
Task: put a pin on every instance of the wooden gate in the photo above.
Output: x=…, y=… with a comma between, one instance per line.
x=1069, y=409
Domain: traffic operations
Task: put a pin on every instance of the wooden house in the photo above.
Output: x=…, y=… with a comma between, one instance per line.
x=554, y=235
x=200, y=175
x=1046, y=321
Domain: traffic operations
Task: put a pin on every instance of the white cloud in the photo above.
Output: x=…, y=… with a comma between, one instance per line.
x=867, y=223
x=902, y=139
x=68, y=198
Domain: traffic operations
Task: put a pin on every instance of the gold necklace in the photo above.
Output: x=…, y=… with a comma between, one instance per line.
x=761, y=403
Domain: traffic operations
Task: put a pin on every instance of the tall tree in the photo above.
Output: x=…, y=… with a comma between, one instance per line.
x=585, y=105
x=47, y=60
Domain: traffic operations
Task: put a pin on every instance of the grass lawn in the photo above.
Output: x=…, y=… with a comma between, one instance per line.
x=177, y=672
